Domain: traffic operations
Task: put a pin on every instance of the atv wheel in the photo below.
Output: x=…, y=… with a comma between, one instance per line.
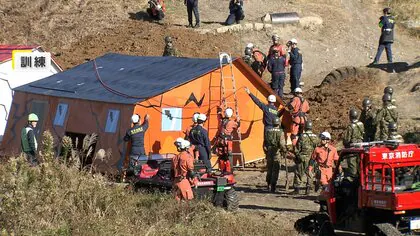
x=384, y=229
x=315, y=224
x=231, y=200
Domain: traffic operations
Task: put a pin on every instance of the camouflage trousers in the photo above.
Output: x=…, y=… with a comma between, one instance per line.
x=302, y=176
x=353, y=166
x=382, y=132
x=273, y=167
x=133, y=165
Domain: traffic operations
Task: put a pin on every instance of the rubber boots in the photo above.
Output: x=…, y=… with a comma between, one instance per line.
x=296, y=191
x=273, y=188
x=307, y=190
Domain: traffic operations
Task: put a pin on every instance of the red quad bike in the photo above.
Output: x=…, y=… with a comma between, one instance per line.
x=154, y=172
x=384, y=199
x=156, y=9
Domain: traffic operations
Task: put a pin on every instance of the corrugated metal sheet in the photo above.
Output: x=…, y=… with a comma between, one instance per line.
x=6, y=50
x=132, y=79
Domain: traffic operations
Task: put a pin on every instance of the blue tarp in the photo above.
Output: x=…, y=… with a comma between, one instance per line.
x=138, y=77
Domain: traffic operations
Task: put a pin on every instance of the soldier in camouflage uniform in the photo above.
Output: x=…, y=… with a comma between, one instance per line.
x=387, y=114
x=392, y=133
x=169, y=48
x=247, y=58
x=367, y=117
x=305, y=146
x=275, y=149
x=353, y=134
x=389, y=90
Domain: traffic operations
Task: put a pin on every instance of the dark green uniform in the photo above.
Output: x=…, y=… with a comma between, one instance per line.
x=367, y=117
x=354, y=134
x=305, y=146
x=248, y=60
x=170, y=51
x=275, y=148
x=387, y=114
x=29, y=144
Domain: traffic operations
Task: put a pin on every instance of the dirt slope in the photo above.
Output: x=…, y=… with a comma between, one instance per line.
x=145, y=39
x=80, y=29
x=330, y=103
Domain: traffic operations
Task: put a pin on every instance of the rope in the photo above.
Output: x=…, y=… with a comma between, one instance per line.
x=114, y=91
x=121, y=94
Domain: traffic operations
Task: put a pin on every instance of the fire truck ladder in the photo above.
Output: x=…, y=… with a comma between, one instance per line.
x=226, y=59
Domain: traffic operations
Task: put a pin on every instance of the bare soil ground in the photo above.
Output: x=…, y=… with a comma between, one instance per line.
x=79, y=30
x=281, y=208
x=330, y=103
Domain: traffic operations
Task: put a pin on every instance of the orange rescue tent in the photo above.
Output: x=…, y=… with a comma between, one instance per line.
x=100, y=96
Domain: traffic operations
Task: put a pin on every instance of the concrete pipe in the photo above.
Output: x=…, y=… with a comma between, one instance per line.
x=284, y=18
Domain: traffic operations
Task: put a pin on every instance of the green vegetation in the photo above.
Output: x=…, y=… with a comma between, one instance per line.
x=56, y=198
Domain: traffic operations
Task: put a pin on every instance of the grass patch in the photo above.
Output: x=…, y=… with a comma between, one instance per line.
x=57, y=199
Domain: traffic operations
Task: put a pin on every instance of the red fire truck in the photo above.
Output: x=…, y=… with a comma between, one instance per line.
x=382, y=199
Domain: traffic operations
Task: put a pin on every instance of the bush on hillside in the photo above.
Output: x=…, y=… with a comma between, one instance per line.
x=55, y=199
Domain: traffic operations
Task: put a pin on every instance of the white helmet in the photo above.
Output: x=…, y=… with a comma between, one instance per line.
x=275, y=37
x=195, y=117
x=185, y=144
x=250, y=45
x=229, y=112
x=325, y=135
x=178, y=142
x=298, y=90
x=202, y=117
x=271, y=98
x=293, y=40
x=135, y=118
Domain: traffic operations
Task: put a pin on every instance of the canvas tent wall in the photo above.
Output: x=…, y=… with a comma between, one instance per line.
x=100, y=96
x=10, y=79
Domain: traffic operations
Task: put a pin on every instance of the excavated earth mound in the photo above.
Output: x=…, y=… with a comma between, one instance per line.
x=341, y=90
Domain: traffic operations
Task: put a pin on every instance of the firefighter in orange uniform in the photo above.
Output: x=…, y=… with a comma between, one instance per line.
x=276, y=46
x=224, y=141
x=183, y=171
x=259, y=59
x=324, y=156
x=298, y=107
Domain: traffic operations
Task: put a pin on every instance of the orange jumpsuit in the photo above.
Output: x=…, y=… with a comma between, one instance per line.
x=259, y=57
x=325, y=157
x=280, y=49
x=298, y=109
x=226, y=127
x=181, y=165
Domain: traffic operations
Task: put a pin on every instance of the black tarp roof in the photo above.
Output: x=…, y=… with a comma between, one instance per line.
x=131, y=78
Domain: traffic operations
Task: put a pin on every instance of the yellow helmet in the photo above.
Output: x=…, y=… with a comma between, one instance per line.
x=33, y=117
